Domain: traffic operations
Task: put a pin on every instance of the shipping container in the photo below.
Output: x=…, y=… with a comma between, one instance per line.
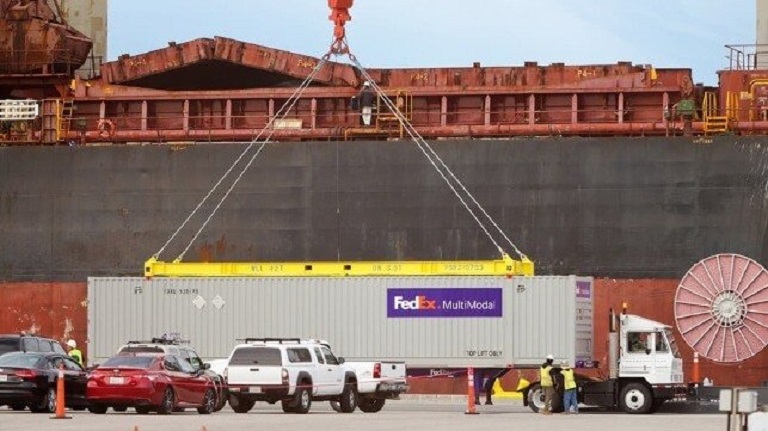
x=424, y=321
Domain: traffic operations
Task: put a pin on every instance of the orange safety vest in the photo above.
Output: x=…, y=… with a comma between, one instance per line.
x=570, y=381
x=545, y=377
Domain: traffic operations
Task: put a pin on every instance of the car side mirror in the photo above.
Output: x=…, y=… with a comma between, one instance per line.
x=341, y=360
x=206, y=366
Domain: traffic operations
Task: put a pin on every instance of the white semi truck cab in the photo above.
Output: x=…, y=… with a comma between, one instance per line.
x=645, y=370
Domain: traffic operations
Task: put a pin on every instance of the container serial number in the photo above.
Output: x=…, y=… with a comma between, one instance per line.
x=464, y=267
x=180, y=291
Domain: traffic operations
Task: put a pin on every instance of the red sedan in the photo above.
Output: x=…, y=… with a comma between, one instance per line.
x=149, y=383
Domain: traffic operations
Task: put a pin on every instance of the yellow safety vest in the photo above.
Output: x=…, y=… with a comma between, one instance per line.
x=76, y=355
x=570, y=381
x=545, y=377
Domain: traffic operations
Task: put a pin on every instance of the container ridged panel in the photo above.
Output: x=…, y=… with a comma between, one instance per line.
x=351, y=313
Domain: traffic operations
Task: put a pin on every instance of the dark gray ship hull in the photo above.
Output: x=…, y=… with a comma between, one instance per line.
x=607, y=207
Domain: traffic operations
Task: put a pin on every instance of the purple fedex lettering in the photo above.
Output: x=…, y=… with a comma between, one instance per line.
x=464, y=302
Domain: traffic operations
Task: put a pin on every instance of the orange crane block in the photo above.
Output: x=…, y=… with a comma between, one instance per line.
x=340, y=15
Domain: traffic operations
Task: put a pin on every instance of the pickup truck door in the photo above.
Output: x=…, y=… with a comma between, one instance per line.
x=334, y=374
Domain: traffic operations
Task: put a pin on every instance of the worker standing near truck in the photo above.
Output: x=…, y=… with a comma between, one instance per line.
x=570, y=395
x=547, y=384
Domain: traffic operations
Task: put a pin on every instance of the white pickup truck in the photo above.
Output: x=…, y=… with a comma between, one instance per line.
x=297, y=372
x=377, y=382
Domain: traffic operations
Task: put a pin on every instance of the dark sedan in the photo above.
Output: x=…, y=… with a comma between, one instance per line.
x=29, y=380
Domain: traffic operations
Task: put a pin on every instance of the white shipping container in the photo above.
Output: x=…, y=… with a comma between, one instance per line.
x=424, y=321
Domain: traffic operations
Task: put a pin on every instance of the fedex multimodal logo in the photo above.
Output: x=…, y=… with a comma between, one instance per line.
x=480, y=302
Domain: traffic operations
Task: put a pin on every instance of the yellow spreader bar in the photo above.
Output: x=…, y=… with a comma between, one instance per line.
x=505, y=266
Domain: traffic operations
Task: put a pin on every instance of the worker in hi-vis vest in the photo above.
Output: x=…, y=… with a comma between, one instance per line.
x=570, y=396
x=74, y=352
x=547, y=384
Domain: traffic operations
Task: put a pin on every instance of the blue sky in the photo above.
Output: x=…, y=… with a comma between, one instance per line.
x=431, y=33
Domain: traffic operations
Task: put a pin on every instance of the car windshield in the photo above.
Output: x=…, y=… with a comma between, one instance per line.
x=9, y=345
x=128, y=362
x=20, y=360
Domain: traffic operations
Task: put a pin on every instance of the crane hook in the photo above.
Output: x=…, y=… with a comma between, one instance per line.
x=340, y=15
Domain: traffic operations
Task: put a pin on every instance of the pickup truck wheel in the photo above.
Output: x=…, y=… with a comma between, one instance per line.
x=240, y=405
x=536, y=398
x=371, y=405
x=348, y=400
x=303, y=400
x=288, y=406
x=336, y=406
x=142, y=410
x=636, y=398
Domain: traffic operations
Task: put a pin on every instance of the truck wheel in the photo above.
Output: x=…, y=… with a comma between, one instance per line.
x=240, y=405
x=636, y=398
x=303, y=400
x=288, y=406
x=348, y=400
x=536, y=398
x=371, y=405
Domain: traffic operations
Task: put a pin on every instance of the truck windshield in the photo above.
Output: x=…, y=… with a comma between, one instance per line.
x=672, y=343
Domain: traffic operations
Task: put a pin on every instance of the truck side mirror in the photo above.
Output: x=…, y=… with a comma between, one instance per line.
x=647, y=351
x=341, y=360
x=206, y=366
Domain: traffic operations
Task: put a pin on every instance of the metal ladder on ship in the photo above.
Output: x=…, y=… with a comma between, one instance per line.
x=57, y=120
x=715, y=124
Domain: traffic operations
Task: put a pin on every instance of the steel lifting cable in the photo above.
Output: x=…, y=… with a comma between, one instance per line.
x=422, y=144
x=281, y=113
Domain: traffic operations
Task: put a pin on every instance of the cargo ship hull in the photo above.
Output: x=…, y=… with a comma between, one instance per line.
x=608, y=207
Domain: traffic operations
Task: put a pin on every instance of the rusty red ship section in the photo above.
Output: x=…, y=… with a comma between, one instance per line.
x=222, y=89
x=55, y=310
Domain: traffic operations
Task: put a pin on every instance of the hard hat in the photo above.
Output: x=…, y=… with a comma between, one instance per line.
x=72, y=344
x=550, y=358
x=367, y=84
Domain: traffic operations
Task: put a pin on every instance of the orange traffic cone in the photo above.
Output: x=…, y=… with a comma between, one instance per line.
x=60, y=401
x=470, y=392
